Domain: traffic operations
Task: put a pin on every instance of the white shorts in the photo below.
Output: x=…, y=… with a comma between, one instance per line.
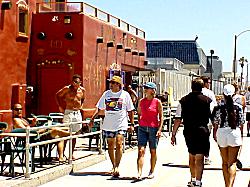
x=73, y=116
x=229, y=137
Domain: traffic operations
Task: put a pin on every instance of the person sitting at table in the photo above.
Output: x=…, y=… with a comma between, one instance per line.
x=20, y=122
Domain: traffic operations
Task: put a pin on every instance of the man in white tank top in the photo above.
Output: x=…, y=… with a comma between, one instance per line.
x=209, y=93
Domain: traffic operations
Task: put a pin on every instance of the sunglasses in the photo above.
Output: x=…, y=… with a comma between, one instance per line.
x=77, y=82
x=17, y=109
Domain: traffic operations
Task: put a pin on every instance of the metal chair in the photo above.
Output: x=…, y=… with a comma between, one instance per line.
x=95, y=128
x=57, y=117
x=4, y=146
x=15, y=147
x=44, y=150
x=3, y=126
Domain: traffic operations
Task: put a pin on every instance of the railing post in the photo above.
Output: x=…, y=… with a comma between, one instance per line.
x=101, y=138
x=70, y=143
x=82, y=7
x=27, y=149
x=170, y=121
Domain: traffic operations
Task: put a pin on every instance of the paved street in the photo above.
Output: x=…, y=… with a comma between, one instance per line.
x=171, y=169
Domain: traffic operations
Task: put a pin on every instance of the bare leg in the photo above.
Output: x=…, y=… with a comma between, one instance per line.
x=153, y=160
x=60, y=150
x=118, y=152
x=224, y=156
x=199, y=166
x=232, y=158
x=111, y=148
x=55, y=133
x=192, y=165
x=140, y=159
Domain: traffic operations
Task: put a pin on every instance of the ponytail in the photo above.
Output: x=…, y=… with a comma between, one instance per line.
x=232, y=118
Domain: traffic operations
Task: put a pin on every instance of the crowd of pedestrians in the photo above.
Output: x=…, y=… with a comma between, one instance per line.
x=200, y=112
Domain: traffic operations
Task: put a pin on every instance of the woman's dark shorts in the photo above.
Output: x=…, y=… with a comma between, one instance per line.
x=147, y=134
x=197, y=140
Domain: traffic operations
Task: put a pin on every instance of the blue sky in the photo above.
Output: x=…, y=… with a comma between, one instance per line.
x=214, y=21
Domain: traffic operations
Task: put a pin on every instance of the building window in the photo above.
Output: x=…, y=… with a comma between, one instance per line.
x=23, y=22
x=22, y=19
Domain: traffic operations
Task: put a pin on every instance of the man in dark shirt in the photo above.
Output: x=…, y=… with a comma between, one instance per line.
x=194, y=112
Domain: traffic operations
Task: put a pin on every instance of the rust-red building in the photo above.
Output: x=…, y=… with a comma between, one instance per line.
x=15, y=17
x=15, y=27
x=79, y=38
x=67, y=38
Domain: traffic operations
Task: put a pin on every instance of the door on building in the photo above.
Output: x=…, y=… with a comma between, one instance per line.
x=50, y=80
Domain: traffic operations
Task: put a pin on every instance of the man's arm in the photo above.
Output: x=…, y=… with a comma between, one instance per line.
x=177, y=123
x=59, y=98
x=97, y=111
x=83, y=96
x=131, y=119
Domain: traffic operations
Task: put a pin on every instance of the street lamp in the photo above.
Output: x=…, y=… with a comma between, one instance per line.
x=242, y=60
x=211, y=69
x=235, y=46
x=246, y=87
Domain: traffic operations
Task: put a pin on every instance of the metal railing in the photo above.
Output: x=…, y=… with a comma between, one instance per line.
x=89, y=10
x=70, y=137
x=169, y=114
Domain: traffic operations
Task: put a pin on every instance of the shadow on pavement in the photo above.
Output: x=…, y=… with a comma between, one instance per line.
x=186, y=166
x=122, y=178
x=90, y=173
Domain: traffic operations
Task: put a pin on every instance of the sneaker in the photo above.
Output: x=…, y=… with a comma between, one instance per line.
x=207, y=161
x=191, y=183
x=151, y=175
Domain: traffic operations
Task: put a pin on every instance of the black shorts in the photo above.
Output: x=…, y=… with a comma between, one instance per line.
x=197, y=141
x=248, y=116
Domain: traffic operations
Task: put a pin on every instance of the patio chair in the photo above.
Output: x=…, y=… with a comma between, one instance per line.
x=15, y=147
x=95, y=128
x=44, y=150
x=3, y=126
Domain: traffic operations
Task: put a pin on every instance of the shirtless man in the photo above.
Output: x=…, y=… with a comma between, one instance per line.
x=133, y=95
x=20, y=122
x=70, y=100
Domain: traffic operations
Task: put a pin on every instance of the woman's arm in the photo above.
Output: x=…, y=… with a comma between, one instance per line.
x=215, y=128
x=160, y=109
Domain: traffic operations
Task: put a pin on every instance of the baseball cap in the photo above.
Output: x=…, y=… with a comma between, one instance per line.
x=228, y=90
x=150, y=85
x=116, y=79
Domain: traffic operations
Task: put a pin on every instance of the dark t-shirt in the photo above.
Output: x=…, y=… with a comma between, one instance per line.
x=195, y=110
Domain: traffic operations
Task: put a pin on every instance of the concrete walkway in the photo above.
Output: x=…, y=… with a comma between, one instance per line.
x=171, y=170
